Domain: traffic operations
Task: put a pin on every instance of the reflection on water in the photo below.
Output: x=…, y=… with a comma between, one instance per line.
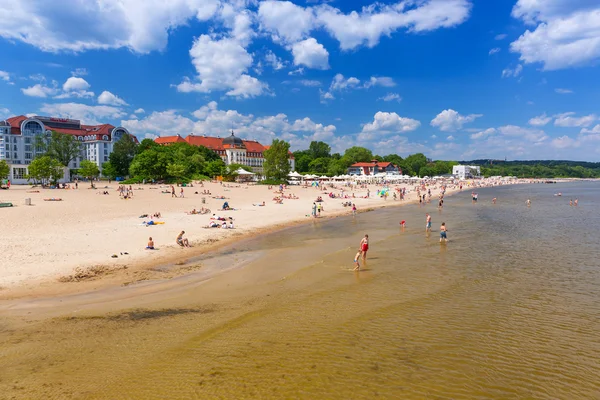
x=508, y=309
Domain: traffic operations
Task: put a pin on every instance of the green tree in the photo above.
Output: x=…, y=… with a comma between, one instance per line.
x=277, y=165
x=109, y=171
x=302, y=158
x=60, y=146
x=89, y=170
x=176, y=170
x=4, y=169
x=146, y=144
x=215, y=168
x=319, y=165
x=122, y=155
x=415, y=162
x=318, y=149
x=336, y=167
x=357, y=154
x=45, y=169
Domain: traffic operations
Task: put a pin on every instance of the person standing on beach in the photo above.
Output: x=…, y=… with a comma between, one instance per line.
x=443, y=233
x=314, y=210
x=353, y=209
x=364, y=247
x=173, y=191
x=427, y=223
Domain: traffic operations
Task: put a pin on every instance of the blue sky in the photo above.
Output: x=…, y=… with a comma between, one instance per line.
x=454, y=79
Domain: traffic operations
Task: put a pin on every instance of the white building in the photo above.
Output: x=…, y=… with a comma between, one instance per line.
x=231, y=149
x=466, y=171
x=17, y=141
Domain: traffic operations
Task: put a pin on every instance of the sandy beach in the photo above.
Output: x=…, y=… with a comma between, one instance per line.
x=49, y=240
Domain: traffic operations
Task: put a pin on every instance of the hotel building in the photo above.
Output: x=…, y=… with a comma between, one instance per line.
x=374, y=167
x=231, y=149
x=17, y=142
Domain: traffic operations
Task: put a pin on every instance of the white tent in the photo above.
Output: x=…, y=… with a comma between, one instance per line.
x=294, y=174
x=242, y=171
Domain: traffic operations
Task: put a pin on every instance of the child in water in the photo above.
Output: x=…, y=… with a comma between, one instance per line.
x=356, y=258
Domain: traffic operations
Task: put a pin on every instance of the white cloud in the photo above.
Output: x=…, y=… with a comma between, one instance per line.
x=450, y=120
x=500, y=36
x=222, y=65
x=540, y=120
x=275, y=62
x=483, y=134
x=391, y=97
x=39, y=90
x=77, y=94
x=325, y=96
x=512, y=72
x=108, y=98
x=594, y=130
x=311, y=54
x=341, y=83
x=285, y=21
x=310, y=83
x=5, y=76
x=450, y=138
x=140, y=111
x=372, y=22
x=164, y=123
x=494, y=51
x=75, y=83
x=299, y=71
x=564, y=142
x=384, y=81
x=140, y=25
x=563, y=91
x=567, y=120
x=91, y=115
x=385, y=122
x=566, y=33
x=209, y=120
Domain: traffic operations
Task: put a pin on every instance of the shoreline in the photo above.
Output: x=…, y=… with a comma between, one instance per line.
x=136, y=270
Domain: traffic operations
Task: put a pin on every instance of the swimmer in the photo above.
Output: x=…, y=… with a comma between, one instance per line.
x=427, y=223
x=443, y=233
x=403, y=223
x=494, y=200
x=528, y=203
x=576, y=202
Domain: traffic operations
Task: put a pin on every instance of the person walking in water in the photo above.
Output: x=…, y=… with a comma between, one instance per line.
x=427, y=223
x=356, y=261
x=443, y=233
x=528, y=203
x=364, y=247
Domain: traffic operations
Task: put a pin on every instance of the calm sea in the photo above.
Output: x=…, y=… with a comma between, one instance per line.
x=508, y=309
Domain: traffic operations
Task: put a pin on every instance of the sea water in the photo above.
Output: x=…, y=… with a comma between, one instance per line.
x=509, y=308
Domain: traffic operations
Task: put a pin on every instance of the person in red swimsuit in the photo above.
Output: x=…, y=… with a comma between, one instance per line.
x=364, y=247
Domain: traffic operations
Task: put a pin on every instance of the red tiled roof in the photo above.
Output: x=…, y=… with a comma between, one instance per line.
x=213, y=143
x=370, y=164
x=169, y=139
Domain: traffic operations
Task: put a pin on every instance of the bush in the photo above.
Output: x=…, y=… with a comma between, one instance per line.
x=132, y=181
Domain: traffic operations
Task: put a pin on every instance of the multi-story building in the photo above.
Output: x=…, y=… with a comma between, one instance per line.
x=18, y=138
x=374, y=167
x=231, y=149
x=466, y=171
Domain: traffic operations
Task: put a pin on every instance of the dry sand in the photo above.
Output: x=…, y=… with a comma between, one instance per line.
x=53, y=239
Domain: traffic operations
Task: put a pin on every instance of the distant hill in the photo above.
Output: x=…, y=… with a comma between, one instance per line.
x=538, y=168
x=548, y=163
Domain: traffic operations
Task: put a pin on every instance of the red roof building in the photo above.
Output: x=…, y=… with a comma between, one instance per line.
x=373, y=167
x=231, y=149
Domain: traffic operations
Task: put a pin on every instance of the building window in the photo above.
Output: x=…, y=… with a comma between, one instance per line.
x=19, y=173
x=28, y=156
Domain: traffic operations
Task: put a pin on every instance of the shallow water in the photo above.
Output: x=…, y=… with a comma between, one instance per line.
x=508, y=309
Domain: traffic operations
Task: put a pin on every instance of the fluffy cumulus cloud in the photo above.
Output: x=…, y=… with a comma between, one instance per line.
x=311, y=54
x=75, y=87
x=5, y=76
x=91, y=115
x=140, y=111
x=222, y=64
x=275, y=62
x=285, y=21
x=563, y=33
x=108, y=98
x=139, y=25
x=450, y=120
x=40, y=90
x=540, y=120
x=386, y=122
x=367, y=26
x=569, y=120
x=511, y=141
x=210, y=120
